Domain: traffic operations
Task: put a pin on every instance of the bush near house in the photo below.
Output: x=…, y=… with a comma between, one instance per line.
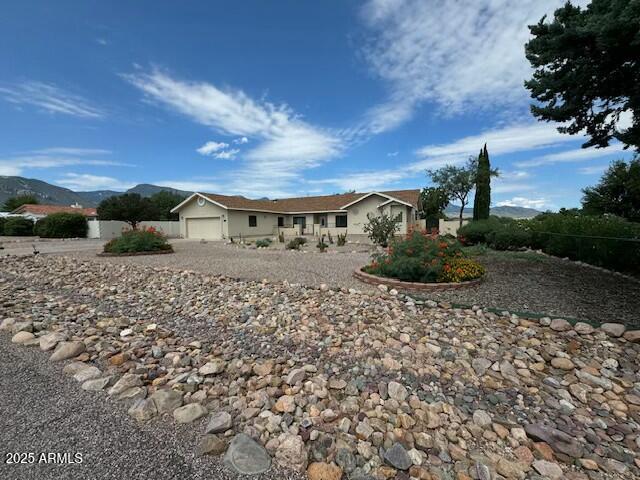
x=605, y=241
x=62, y=225
x=296, y=243
x=425, y=258
x=263, y=243
x=18, y=227
x=147, y=240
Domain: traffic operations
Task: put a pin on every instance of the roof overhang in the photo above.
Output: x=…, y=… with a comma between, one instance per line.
x=384, y=195
x=191, y=197
x=395, y=200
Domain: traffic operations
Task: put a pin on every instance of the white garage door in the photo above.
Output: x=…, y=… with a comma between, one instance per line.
x=207, y=228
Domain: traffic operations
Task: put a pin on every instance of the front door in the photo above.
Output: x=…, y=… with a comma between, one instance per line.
x=300, y=221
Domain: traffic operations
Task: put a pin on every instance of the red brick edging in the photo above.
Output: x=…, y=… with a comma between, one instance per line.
x=134, y=254
x=412, y=286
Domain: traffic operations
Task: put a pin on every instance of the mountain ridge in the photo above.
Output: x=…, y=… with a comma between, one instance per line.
x=55, y=195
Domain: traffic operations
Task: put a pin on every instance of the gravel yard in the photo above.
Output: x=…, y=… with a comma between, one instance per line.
x=349, y=385
x=516, y=281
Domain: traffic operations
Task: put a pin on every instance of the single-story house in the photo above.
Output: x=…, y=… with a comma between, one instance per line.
x=37, y=211
x=216, y=217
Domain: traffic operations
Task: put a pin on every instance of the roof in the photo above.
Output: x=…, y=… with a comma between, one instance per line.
x=36, y=209
x=325, y=203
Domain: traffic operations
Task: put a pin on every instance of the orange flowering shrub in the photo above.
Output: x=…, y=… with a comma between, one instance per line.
x=426, y=258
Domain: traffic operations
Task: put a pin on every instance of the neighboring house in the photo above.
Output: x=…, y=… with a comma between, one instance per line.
x=37, y=211
x=215, y=217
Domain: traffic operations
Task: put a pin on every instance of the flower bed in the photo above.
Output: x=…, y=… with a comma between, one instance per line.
x=132, y=242
x=422, y=258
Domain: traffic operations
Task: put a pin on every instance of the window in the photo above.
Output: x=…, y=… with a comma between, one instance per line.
x=253, y=221
x=300, y=221
x=341, y=221
x=399, y=217
x=281, y=221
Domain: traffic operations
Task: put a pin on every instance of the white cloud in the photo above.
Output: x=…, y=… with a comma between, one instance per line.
x=500, y=141
x=577, y=155
x=392, y=154
x=458, y=54
x=537, y=203
x=50, y=98
x=241, y=141
x=211, y=147
x=227, y=154
x=72, y=151
x=288, y=145
x=593, y=170
x=365, y=181
x=87, y=182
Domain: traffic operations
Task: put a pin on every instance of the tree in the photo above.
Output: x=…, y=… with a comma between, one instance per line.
x=432, y=202
x=381, y=228
x=456, y=181
x=14, y=202
x=482, y=199
x=618, y=192
x=587, y=70
x=130, y=208
x=164, y=201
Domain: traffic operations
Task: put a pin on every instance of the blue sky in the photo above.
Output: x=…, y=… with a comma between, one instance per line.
x=279, y=98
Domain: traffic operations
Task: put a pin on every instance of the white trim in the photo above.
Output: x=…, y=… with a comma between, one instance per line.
x=389, y=197
x=192, y=196
x=391, y=200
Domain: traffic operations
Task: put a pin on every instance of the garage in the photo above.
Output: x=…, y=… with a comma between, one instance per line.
x=207, y=228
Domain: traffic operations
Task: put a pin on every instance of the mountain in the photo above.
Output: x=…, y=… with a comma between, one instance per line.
x=146, y=190
x=43, y=191
x=509, y=211
x=54, y=195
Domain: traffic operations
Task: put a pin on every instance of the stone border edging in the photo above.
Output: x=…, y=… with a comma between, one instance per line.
x=134, y=254
x=412, y=286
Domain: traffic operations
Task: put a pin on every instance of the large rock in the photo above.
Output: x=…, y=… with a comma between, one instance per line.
x=482, y=419
x=560, y=325
x=215, y=366
x=613, y=329
x=66, y=350
x=22, y=337
x=88, y=373
x=96, y=384
x=558, y=440
x=291, y=453
x=127, y=381
x=398, y=457
x=7, y=323
x=143, y=409
x=397, y=391
x=286, y=404
x=211, y=445
x=246, y=456
x=219, y=422
x=167, y=400
x=296, y=375
x=547, y=469
x=324, y=471
x=189, y=413
x=632, y=336
x=583, y=328
x=50, y=340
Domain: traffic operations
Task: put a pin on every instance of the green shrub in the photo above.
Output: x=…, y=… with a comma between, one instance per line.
x=341, y=239
x=296, y=243
x=18, y=227
x=148, y=240
x=381, y=229
x=476, y=232
x=425, y=258
x=62, y=225
x=3, y=220
x=509, y=238
x=263, y=242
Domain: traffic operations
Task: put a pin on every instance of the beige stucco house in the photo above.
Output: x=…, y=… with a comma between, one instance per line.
x=216, y=217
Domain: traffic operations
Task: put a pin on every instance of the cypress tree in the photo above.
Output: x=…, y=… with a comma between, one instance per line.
x=482, y=200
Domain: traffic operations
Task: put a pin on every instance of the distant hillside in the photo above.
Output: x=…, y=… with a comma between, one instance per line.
x=43, y=191
x=54, y=195
x=146, y=190
x=504, y=211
